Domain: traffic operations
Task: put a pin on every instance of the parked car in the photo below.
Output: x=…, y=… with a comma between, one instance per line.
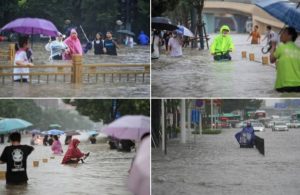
x=280, y=126
x=293, y=124
x=258, y=127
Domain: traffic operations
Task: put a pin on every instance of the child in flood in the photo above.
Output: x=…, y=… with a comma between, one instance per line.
x=21, y=59
x=73, y=154
x=255, y=36
x=56, y=146
x=110, y=46
x=15, y=156
x=98, y=44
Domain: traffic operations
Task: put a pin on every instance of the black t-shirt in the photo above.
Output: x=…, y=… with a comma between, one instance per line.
x=15, y=158
x=110, y=47
x=98, y=47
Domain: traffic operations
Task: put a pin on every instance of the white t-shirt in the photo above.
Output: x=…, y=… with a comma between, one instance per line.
x=21, y=56
x=176, y=47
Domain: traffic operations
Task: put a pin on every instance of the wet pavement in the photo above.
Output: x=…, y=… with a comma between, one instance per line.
x=214, y=164
x=197, y=75
x=105, y=172
x=134, y=87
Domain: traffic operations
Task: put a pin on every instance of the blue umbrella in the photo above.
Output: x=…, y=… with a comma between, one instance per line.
x=12, y=124
x=55, y=132
x=93, y=132
x=284, y=10
x=35, y=131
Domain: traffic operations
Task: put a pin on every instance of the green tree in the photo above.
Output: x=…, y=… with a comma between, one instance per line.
x=101, y=109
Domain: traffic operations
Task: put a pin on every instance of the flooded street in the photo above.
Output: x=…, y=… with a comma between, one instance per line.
x=90, y=88
x=105, y=172
x=197, y=75
x=214, y=164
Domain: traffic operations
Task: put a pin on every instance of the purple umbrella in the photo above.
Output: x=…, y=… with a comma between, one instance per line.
x=31, y=26
x=128, y=127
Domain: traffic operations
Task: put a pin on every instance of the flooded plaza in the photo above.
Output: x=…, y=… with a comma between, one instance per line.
x=215, y=164
x=197, y=75
x=104, y=171
x=123, y=86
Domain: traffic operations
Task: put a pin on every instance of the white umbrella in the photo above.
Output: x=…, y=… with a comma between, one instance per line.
x=185, y=31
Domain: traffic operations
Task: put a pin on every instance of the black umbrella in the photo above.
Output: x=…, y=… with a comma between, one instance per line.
x=163, y=23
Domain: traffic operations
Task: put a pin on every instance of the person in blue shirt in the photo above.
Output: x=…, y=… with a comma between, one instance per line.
x=110, y=46
x=143, y=38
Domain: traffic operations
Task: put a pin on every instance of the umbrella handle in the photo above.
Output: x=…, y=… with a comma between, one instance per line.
x=84, y=33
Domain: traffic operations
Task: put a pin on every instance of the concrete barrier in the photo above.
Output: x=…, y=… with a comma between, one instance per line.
x=251, y=57
x=244, y=54
x=35, y=163
x=265, y=60
x=2, y=175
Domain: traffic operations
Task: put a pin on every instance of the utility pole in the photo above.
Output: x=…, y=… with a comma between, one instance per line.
x=182, y=122
x=163, y=130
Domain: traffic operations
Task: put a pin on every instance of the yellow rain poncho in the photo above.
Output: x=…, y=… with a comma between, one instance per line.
x=222, y=43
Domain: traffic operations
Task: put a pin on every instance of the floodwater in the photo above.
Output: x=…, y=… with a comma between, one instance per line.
x=104, y=172
x=116, y=87
x=214, y=164
x=197, y=75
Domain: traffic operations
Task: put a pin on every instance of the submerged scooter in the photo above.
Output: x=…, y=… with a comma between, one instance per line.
x=222, y=56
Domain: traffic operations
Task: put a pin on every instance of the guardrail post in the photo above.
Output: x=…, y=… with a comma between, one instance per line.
x=77, y=68
x=11, y=53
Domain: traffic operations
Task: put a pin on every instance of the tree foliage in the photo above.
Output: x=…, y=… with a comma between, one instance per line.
x=101, y=109
x=229, y=105
x=29, y=111
x=93, y=15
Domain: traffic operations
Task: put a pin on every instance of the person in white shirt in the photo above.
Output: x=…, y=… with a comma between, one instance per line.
x=155, y=44
x=21, y=59
x=175, y=45
x=57, y=47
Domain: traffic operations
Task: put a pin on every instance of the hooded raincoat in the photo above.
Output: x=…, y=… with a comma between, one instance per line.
x=222, y=43
x=74, y=46
x=73, y=152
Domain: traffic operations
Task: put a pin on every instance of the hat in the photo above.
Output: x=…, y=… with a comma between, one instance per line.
x=73, y=31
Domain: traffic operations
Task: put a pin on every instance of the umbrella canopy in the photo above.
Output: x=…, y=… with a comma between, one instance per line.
x=93, y=132
x=185, y=31
x=11, y=124
x=128, y=127
x=55, y=132
x=71, y=133
x=139, y=177
x=127, y=32
x=35, y=131
x=54, y=126
x=284, y=10
x=162, y=23
x=31, y=26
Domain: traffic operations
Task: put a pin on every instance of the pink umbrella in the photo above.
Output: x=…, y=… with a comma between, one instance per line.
x=139, y=177
x=129, y=127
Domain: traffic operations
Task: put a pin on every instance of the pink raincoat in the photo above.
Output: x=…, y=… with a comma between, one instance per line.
x=56, y=147
x=73, y=152
x=74, y=46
